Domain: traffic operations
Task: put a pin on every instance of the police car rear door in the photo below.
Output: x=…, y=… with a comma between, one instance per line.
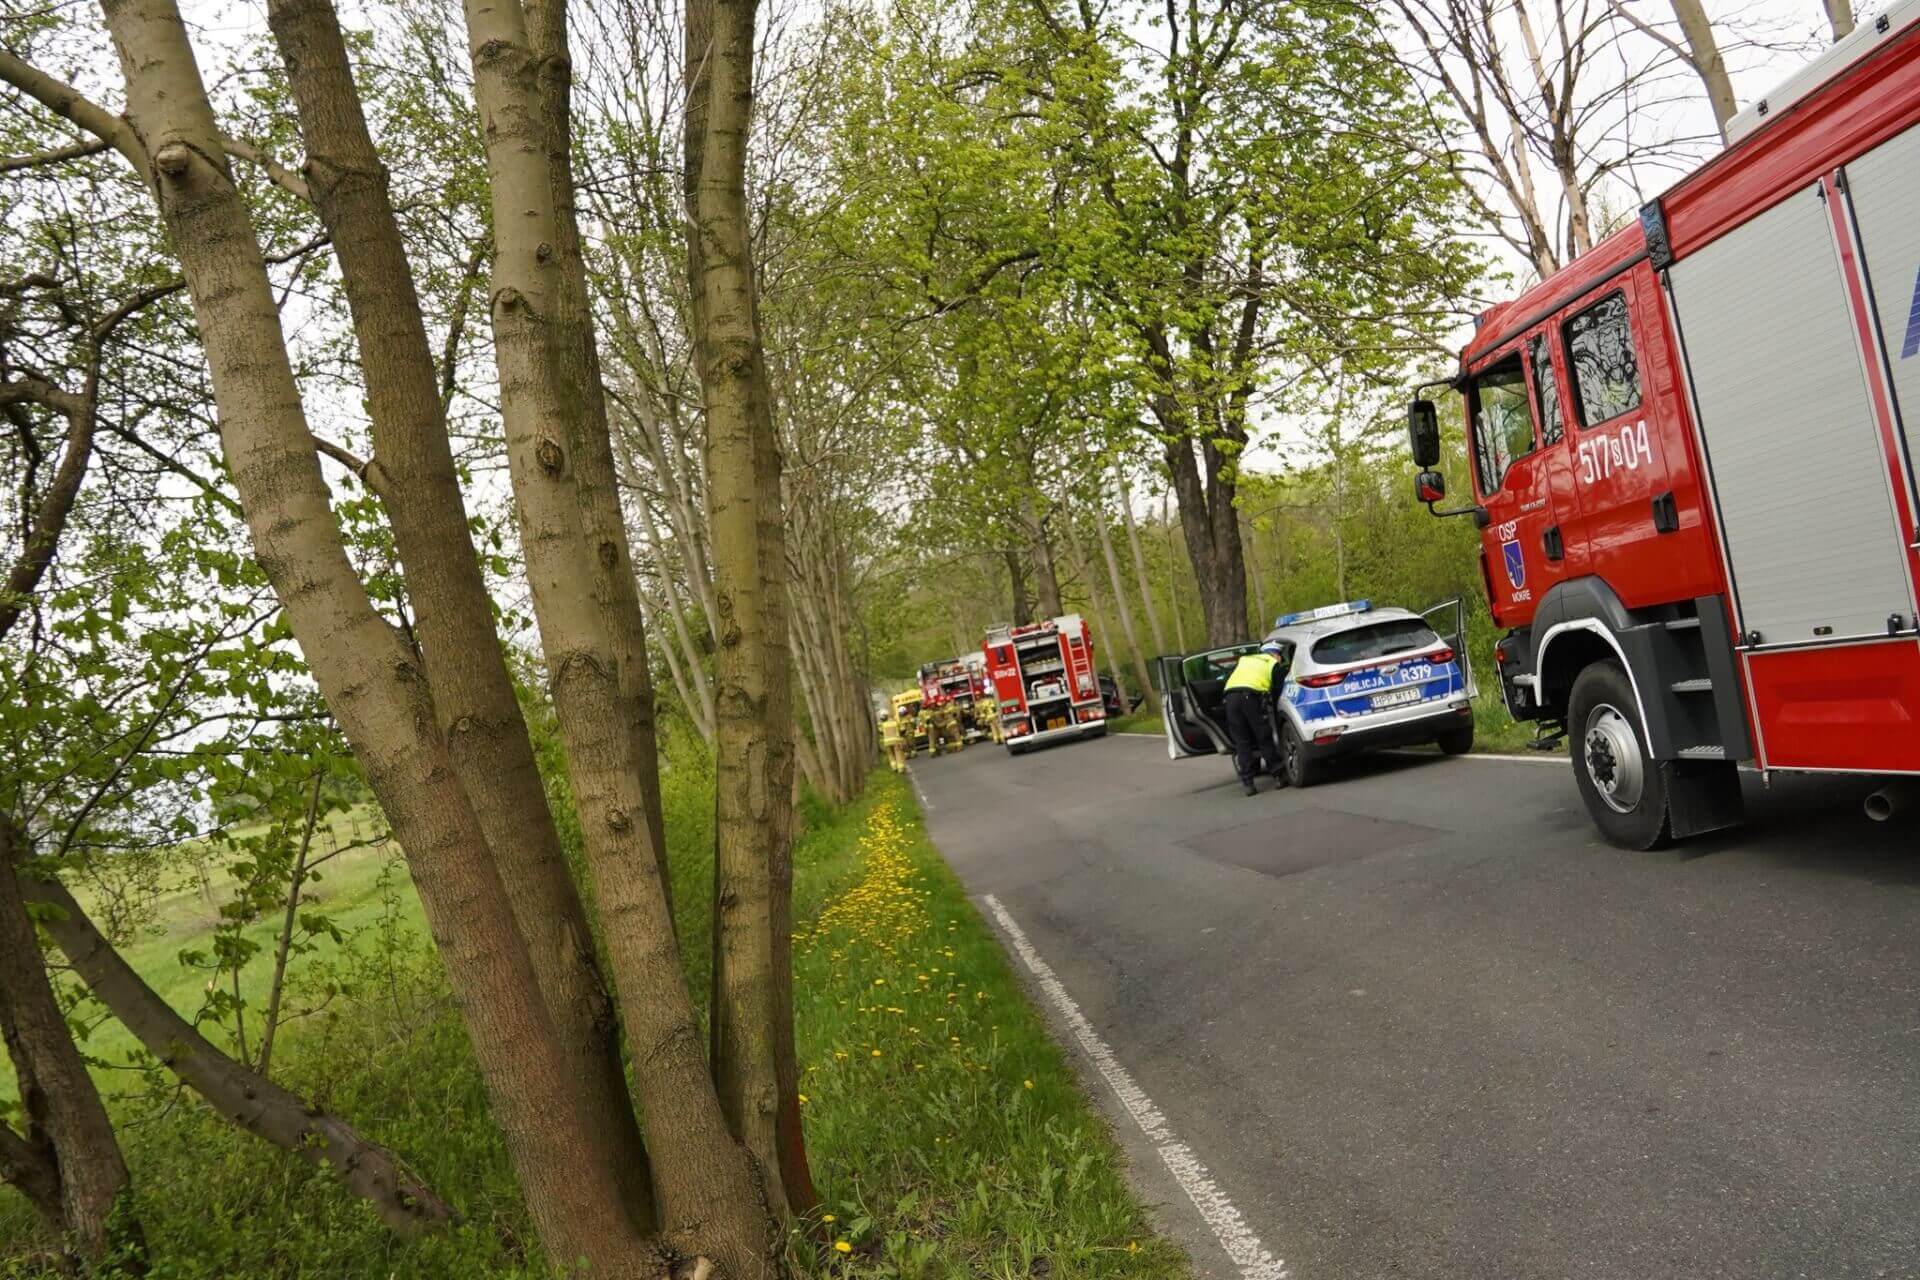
x=1449, y=621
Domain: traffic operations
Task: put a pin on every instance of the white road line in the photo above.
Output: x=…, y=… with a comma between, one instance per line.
x=1243, y=1247
x=915, y=779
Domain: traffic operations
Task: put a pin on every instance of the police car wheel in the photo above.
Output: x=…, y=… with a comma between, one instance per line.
x=1457, y=742
x=1296, y=758
x=1621, y=784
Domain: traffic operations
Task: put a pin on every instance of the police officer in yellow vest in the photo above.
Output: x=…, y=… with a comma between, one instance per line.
x=1249, y=689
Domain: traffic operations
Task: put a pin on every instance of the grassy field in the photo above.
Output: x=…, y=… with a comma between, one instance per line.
x=360, y=890
x=949, y=1138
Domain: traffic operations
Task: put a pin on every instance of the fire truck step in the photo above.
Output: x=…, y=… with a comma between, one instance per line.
x=1700, y=685
x=1683, y=624
x=1703, y=753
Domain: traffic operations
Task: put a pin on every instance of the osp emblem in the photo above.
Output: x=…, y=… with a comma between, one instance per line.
x=1516, y=564
x=1912, y=345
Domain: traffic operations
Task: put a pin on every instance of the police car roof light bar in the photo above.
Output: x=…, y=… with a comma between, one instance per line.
x=1324, y=611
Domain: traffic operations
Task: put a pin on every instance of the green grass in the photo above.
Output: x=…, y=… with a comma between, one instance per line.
x=352, y=890
x=950, y=1137
x=935, y=1160
x=1144, y=720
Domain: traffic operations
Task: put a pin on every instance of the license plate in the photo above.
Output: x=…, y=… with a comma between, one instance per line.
x=1398, y=698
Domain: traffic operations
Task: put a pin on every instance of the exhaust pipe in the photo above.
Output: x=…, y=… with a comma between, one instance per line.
x=1893, y=798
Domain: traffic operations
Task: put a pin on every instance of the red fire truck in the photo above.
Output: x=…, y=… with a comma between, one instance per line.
x=1692, y=463
x=1043, y=677
x=962, y=681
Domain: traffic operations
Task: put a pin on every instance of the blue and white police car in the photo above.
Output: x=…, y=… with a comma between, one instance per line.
x=1352, y=677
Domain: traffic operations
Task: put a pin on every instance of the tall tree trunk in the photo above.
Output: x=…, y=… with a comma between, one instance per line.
x=1173, y=588
x=1120, y=602
x=1139, y=561
x=696, y=672
x=363, y=666
x=1260, y=614
x=473, y=693
x=615, y=582
x=704, y=1186
x=1210, y=526
x=1840, y=17
x=751, y=777
x=252, y=1102
x=63, y=1111
x=1046, y=579
x=1560, y=142
x=791, y=1179
x=1017, y=580
x=1703, y=52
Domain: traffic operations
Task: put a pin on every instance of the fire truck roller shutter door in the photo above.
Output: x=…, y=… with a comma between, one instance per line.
x=1793, y=448
x=1884, y=186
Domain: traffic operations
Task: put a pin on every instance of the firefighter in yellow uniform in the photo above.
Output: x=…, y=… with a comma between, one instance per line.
x=906, y=711
x=988, y=711
x=1249, y=689
x=893, y=743
x=943, y=729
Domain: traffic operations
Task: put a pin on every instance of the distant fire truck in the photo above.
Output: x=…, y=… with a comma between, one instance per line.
x=962, y=681
x=1043, y=677
x=1692, y=463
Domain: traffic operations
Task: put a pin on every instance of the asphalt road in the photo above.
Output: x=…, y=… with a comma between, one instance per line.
x=1418, y=1021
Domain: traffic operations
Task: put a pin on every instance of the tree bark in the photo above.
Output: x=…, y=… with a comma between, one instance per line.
x=1017, y=580
x=616, y=585
x=708, y=1202
x=251, y=1101
x=64, y=1114
x=473, y=692
x=1703, y=54
x=1046, y=580
x=1840, y=17
x=750, y=772
x=50, y=519
x=1120, y=602
x=1139, y=561
x=366, y=670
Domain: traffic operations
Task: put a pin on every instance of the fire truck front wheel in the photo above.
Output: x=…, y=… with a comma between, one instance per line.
x=1621, y=784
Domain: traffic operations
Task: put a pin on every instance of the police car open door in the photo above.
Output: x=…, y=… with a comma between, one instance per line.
x=1449, y=621
x=1193, y=689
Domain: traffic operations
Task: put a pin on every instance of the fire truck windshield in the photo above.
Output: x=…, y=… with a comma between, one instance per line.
x=1502, y=426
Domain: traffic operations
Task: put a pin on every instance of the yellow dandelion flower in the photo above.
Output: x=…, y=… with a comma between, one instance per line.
x=841, y=1246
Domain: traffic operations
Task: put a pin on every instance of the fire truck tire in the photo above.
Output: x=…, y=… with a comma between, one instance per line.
x=1296, y=758
x=1016, y=749
x=1623, y=787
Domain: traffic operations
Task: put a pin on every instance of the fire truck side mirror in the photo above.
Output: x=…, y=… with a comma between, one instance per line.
x=1423, y=433
x=1431, y=486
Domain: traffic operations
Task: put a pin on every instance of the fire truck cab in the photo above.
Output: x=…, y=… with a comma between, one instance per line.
x=1044, y=680
x=1691, y=458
